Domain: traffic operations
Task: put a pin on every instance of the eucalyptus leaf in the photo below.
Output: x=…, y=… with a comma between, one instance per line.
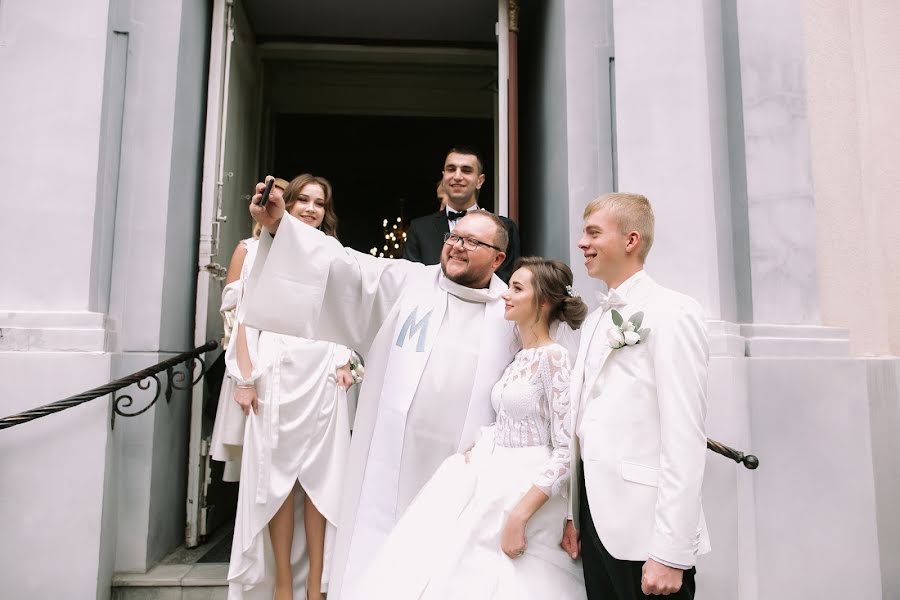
x=617, y=318
x=644, y=333
x=636, y=320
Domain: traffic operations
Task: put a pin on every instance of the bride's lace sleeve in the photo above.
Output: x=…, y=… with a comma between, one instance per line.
x=554, y=369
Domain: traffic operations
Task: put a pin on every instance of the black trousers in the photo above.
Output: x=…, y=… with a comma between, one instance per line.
x=608, y=578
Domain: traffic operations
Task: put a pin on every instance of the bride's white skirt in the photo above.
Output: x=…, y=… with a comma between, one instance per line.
x=447, y=544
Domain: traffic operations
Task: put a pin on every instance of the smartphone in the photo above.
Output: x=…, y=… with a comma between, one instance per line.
x=265, y=194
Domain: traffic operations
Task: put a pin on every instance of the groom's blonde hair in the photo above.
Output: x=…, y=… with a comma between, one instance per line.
x=633, y=213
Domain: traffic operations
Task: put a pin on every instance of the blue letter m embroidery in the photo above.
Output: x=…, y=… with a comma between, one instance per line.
x=411, y=327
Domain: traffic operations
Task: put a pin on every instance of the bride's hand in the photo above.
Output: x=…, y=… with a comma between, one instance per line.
x=512, y=538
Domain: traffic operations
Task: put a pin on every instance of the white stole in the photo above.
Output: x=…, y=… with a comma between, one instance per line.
x=418, y=322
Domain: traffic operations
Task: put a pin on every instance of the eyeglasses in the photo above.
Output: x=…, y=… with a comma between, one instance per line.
x=451, y=239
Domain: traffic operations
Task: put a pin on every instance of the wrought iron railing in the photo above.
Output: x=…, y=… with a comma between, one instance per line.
x=176, y=379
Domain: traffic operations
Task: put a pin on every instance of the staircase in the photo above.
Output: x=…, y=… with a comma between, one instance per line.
x=186, y=574
x=173, y=582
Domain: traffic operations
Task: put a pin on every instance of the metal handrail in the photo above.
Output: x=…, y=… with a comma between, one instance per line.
x=748, y=460
x=175, y=380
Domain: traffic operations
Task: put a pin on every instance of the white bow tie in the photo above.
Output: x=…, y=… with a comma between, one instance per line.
x=610, y=300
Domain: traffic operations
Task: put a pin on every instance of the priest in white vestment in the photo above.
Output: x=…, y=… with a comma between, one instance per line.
x=434, y=340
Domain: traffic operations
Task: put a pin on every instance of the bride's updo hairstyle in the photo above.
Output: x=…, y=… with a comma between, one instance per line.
x=552, y=283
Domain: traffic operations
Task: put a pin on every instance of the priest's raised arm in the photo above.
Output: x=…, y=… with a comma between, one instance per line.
x=306, y=284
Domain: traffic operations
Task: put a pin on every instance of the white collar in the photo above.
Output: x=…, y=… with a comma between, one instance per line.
x=474, y=207
x=629, y=284
x=488, y=294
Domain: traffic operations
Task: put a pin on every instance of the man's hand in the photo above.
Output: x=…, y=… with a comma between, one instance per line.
x=659, y=580
x=571, y=540
x=246, y=398
x=269, y=216
x=512, y=538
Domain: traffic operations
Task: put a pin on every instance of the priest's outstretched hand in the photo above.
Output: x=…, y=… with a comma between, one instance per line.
x=269, y=216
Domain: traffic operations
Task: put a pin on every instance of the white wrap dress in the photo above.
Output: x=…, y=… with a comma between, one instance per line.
x=300, y=434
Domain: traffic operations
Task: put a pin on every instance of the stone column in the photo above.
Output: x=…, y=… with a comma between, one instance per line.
x=102, y=107
x=780, y=204
x=672, y=146
x=672, y=142
x=771, y=154
x=52, y=340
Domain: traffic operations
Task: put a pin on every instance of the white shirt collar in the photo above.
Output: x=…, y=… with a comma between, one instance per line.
x=628, y=285
x=495, y=289
x=452, y=224
x=475, y=206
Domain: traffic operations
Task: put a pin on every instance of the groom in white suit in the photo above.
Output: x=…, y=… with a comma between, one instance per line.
x=638, y=394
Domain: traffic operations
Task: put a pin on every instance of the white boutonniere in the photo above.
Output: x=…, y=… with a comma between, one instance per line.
x=626, y=333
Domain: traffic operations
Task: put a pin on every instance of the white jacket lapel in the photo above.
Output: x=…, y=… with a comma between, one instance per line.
x=595, y=349
x=577, y=385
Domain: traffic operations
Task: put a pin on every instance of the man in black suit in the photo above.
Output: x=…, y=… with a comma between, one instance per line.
x=463, y=177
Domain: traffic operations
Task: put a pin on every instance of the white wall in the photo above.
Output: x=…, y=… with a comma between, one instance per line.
x=731, y=569
x=815, y=487
x=55, y=500
x=79, y=489
x=51, y=65
x=566, y=125
x=884, y=414
x=52, y=506
x=852, y=58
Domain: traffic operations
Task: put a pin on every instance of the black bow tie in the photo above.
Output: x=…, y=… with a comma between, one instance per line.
x=453, y=216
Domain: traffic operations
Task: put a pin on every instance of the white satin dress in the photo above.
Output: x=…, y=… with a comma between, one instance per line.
x=300, y=434
x=447, y=544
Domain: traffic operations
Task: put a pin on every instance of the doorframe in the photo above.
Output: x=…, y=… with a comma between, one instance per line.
x=221, y=39
x=211, y=211
x=501, y=106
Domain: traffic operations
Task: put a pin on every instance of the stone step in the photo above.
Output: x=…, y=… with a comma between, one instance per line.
x=173, y=582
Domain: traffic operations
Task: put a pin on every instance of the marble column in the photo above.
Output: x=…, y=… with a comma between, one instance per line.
x=780, y=204
x=672, y=142
x=672, y=146
x=774, y=198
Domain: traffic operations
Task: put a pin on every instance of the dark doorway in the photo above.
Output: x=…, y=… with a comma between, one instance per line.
x=378, y=164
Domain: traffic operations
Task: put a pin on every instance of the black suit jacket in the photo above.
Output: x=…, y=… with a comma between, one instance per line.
x=425, y=239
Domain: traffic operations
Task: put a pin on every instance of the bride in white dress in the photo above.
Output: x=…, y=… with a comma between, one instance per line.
x=295, y=440
x=487, y=524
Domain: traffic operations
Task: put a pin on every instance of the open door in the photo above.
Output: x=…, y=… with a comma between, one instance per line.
x=339, y=84
x=501, y=111
x=229, y=174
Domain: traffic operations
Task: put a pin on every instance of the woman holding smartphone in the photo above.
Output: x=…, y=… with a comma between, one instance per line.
x=297, y=433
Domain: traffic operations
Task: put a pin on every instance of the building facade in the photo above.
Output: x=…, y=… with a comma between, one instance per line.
x=763, y=133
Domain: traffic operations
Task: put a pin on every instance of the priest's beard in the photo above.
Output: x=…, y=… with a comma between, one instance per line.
x=468, y=278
